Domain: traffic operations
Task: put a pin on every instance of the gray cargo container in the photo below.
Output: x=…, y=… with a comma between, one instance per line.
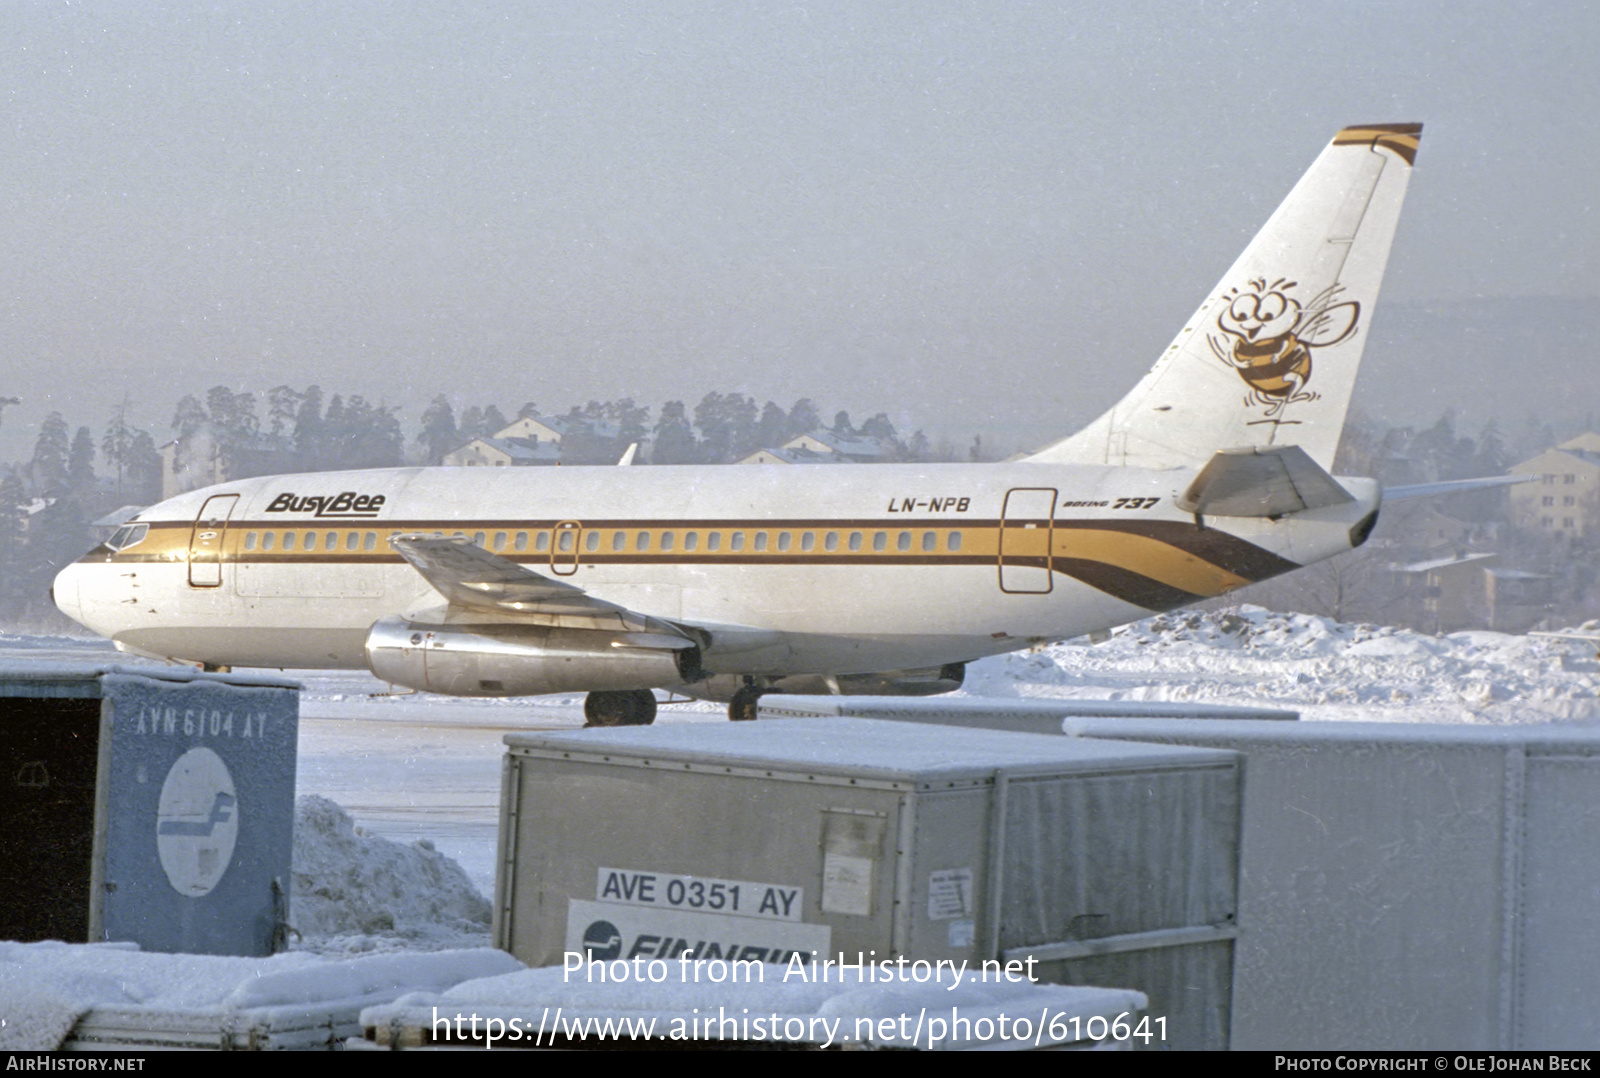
x=148, y=805
x=1411, y=886
x=1105, y=864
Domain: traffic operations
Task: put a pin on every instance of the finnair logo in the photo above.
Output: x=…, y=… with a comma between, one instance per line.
x=221, y=812
x=197, y=822
x=344, y=504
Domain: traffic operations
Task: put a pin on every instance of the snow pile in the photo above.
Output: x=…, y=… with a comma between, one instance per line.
x=359, y=892
x=45, y=988
x=1326, y=669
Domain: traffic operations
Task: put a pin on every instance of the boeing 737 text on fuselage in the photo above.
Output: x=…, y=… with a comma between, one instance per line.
x=725, y=583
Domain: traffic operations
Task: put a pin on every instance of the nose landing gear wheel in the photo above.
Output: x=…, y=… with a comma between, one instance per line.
x=628, y=707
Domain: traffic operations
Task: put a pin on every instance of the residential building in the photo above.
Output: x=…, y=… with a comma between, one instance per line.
x=1565, y=500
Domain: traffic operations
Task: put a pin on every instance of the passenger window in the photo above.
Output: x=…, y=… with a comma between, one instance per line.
x=691, y=540
x=541, y=542
x=249, y=540
x=520, y=542
x=855, y=540
x=310, y=541
x=499, y=540
x=267, y=540
x=478, y=538
x=619, y=540
x=666, y=540
x=954, y=541
x=288, y=540
x=903, y=542
x=352, y=540
x=761, y=540
x=591, y=540
x=641, y=541
x=880, y=540
x=930, y=541
x=737, y=542
x=369, y=541
x=808, y=541
x=330, y=541
x=714, y=541
x=783, y=541
x=831, y=542
x=566, y=542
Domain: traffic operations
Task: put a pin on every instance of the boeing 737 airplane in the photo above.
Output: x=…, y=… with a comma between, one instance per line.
x=728, y=582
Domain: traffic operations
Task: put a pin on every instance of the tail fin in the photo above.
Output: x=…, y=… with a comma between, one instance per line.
x=1270, y=357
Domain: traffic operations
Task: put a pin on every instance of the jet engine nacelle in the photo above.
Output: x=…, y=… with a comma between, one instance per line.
x=524, y=660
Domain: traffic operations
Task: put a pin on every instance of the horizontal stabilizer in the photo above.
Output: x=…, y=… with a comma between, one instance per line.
x=1261, y=481
x=1453, y=486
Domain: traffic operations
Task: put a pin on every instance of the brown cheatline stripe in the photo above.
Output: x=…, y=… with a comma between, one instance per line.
x=1125, y=584
x=1148, y=557
x=1238, y=556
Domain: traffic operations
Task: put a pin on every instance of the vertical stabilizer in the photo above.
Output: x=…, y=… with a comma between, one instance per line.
x=1270, y=357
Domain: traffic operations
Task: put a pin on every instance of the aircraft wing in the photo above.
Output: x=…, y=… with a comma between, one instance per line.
x=471, y=578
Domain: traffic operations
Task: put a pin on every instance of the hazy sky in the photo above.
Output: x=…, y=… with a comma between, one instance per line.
x=973, y=215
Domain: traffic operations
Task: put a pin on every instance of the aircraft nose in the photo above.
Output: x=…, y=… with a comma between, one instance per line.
x=65, y=593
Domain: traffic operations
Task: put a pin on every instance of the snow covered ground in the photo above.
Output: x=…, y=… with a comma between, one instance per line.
x=419, y=776
x=1327, y=670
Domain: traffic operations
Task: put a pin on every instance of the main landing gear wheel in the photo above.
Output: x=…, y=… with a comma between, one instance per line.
x=742, y=708
x=628, y=707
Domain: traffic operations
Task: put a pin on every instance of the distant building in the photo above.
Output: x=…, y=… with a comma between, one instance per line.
x=1424, y=529
x=825, y=447
x=542, y=439
x=1449, y=591
x=1565, y=500
x=788, y=455
x=504, y=452
x=1517, y=599
x=31, y=510
x=861, y=450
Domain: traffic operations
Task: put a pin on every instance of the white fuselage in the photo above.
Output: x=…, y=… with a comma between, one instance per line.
x=784, y=569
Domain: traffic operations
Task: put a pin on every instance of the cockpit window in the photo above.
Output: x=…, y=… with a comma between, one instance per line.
x=128, y=535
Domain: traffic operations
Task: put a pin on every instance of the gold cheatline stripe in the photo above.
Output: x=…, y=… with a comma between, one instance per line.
x=1148, y=557
x=1403, y=139
x=1136, y=553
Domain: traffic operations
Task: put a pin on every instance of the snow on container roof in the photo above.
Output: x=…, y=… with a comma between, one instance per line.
x=20, y=679
x=867, y=748
x=921, y=709
x=1576, y=738
x=50, y=989
x=795, y=1004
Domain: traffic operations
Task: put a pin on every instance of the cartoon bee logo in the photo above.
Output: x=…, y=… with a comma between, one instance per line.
x=1270, y=335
